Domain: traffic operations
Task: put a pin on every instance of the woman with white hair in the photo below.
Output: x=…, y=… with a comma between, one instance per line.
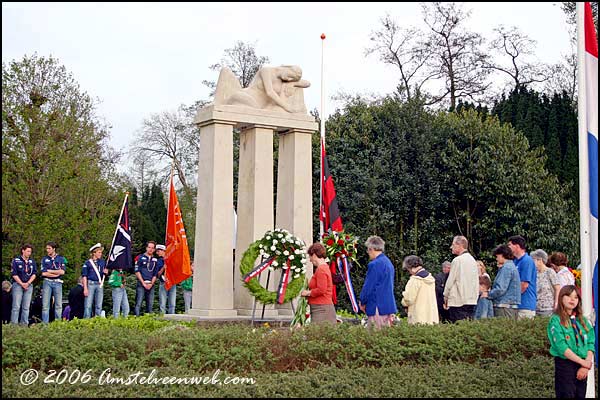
x=548, y=285
x=419, y=293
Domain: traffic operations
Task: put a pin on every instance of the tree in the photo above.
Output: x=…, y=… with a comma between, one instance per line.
x=242, y=60
x=457, y=58
x=563, y=78
x=417, y=178
x=570, y=9
x=168, y=139
x=401, y=48
x=497, y=186
x=549, y=123
x=58, y=175
x=516, y=46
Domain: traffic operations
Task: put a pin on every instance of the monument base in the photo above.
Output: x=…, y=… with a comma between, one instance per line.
x=213, y=313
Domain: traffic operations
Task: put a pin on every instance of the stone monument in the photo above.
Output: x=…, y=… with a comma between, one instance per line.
x=272, y=103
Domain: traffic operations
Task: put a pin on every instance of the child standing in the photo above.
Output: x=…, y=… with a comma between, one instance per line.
x=572, y=340
x=485, y=308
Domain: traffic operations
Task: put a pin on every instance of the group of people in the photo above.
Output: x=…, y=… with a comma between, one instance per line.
x=86, y=298
x=525, y=286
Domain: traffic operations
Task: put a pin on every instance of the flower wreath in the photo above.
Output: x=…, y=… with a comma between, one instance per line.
x=341, y=251
x=278, y=250
x=340, y=243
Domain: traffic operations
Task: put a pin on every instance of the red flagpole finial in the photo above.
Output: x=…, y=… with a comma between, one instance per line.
x=322, y=36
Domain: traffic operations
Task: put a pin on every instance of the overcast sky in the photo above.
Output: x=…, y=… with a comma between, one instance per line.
x=144, y=58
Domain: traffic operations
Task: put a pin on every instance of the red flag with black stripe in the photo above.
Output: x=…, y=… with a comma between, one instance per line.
x=330, y=214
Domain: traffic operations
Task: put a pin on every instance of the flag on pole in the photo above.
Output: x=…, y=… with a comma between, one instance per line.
x=119, y=256
x=177, y=256
x=588, y=162
x=330, y=214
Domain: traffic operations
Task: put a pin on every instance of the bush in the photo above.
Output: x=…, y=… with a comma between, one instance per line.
x=487, y=358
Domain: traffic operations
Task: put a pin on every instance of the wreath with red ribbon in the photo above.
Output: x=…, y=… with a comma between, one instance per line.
x=277, y=250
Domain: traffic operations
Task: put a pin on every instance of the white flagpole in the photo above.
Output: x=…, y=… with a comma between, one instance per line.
x=584, y=188
x=584, y=184
x=322, y=129
x=112, y=245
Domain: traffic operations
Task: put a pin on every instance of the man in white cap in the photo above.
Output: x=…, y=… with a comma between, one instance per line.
x=163, y=293
x=92, y=274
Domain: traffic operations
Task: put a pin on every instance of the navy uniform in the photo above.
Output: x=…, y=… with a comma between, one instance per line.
x=23, y=272
x=52, y=286
x=146, y=270
x=93, y=272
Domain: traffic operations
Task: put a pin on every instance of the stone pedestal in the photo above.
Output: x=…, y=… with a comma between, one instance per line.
x=218, y=290
x=294, y=190
x=255, y=208
x=213, y=274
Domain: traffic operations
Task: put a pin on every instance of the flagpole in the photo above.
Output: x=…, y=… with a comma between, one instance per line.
x=169, y=199
x=116, y=230
x=584, y=184
x=584, y=181
x=118, y=221
x=322, y=129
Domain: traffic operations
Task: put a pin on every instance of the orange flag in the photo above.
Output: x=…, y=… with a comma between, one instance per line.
x=177, y=257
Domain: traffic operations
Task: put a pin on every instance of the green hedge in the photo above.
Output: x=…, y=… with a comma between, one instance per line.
x=488, y=358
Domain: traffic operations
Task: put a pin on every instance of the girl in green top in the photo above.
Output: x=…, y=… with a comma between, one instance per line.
x=572, y=340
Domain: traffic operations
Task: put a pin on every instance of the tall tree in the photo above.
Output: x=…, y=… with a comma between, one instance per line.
x=511, y=44
x=242, y=60
x=457, y=56
x=168, y=139
x=59, y=180
x=403, y=49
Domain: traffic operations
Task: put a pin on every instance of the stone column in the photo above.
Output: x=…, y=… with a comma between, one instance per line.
x=255, y=208
x=294, y=190
x=213, y=292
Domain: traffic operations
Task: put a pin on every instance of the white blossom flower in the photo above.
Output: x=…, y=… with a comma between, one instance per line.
x=282, y=240
x=275, y=263
x=291, y=257
x=260, y=246
x=268, y=238
x=297, y=251
x=286, y=253
x=280, y=235
x=277, y=252
x=262, y=251
x=275, y=241
x=296, y=276
x=273, y=248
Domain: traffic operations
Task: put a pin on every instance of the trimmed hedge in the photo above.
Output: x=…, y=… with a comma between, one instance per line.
x=487, y=358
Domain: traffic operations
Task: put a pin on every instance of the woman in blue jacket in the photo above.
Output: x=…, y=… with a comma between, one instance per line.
x=377, y=298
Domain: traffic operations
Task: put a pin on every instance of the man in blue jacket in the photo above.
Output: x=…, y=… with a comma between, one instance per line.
x=377, y=298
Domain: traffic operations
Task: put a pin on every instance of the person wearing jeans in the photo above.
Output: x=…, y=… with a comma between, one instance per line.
x=92, y=273
x=23, y=270
x=119, y=294
x=187, y=287
x=163, y=293
x=145, y=272
x=53, y=268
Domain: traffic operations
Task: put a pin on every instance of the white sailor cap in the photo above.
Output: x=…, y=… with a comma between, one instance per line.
x=160, y=247
x=96, y=246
